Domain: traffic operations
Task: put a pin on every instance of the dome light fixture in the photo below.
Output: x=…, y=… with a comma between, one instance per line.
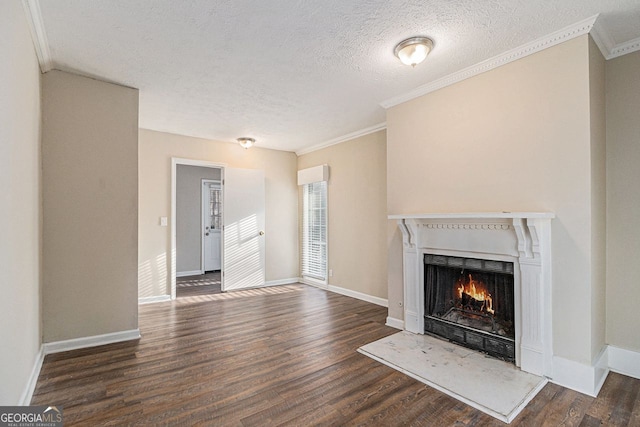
x=246, y=142
x=414, y=50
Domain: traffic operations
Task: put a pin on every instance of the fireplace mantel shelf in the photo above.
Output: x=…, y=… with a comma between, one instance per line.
x=475, y=215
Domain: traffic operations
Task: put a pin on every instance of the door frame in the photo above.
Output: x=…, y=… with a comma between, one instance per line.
x=175, y=161
x=202, y=219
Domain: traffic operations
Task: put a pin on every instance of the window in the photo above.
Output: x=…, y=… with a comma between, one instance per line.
x=215, y=207
x=314, y=230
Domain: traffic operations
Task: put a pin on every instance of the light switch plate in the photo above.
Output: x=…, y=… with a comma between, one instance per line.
x=163, y=221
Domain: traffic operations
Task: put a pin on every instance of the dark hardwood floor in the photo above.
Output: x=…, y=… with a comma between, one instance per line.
x=203, y=284
x=279, y=356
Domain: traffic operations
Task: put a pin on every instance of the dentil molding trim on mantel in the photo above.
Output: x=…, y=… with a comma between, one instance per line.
x=475, y=215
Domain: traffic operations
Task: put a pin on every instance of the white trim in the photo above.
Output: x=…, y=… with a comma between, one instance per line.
x=154, y=299
x=625, y=48
x=580, y=377
x=282, y=282
x=563, y=35
x=270, y=283
x=475, y=215
x=27, y=394
x=602, y=38
x=343, y=291
x=38, y=34
x=189, y=273
x=202, y=221
x=601, y=367
x=395, y=323
x=343, y=138
x=625, y=362
x=606, y=44
x=358, y=295
x=93, y=341
x=313, y=174
x=175, y=161
x=322, y=284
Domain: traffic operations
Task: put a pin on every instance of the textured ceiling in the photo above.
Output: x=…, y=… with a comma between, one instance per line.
x=293, y=73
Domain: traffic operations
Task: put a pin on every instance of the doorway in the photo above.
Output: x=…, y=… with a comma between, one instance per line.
x=242, y=236
x=198, y=230
x=190, y=218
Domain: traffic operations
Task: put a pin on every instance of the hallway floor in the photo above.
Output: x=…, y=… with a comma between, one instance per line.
x=202, y=284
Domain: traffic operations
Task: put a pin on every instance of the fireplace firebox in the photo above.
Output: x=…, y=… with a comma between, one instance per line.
x=471, y=302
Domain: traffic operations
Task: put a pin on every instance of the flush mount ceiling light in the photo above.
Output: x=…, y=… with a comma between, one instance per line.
x=414, y=50
x=246, y=142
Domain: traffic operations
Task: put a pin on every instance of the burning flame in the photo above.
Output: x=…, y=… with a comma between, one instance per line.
x=479, y=293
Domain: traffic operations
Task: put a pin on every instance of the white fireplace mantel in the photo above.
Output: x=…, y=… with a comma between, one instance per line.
x=477, y=215
x=523, y=238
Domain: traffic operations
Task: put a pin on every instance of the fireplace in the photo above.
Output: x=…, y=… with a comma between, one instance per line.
x=509, y=253
x=471, y=302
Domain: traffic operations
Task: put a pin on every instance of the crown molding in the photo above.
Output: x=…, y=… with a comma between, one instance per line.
x=343, y=138
x=563, y=35
x=602, y=38
x=606, y=44
x=625, y=48
x=38, y=34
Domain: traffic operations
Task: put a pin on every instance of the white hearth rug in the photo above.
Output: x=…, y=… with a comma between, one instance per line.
x=493, y=386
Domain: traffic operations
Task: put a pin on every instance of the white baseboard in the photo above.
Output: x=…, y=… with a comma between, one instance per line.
x=27, y=394
x=271, y=283
x=154, y=299
x=313, y=282
x=343, y=291
x=625, y=362
x=580, y=377
x=358, y=295
x=188, y=273
x=395, y=323
x=601, y=368
x=282, y=281
x=93, y=341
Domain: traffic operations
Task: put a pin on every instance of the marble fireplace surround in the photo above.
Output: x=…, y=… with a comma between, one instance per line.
x=523, y=238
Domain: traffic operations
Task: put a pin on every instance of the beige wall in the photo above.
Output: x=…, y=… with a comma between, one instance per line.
x=189, y=215
x=20, y=211
x=356, y=201
x=516, y=138
x=623, y=200
x=597, y=107
x=90, y=193
x=155, y=152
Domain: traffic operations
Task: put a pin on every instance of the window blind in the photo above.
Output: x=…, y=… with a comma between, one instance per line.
x=314, y=230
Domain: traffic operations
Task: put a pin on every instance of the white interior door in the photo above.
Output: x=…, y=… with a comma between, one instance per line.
x=243, y=233
x=211, y=225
